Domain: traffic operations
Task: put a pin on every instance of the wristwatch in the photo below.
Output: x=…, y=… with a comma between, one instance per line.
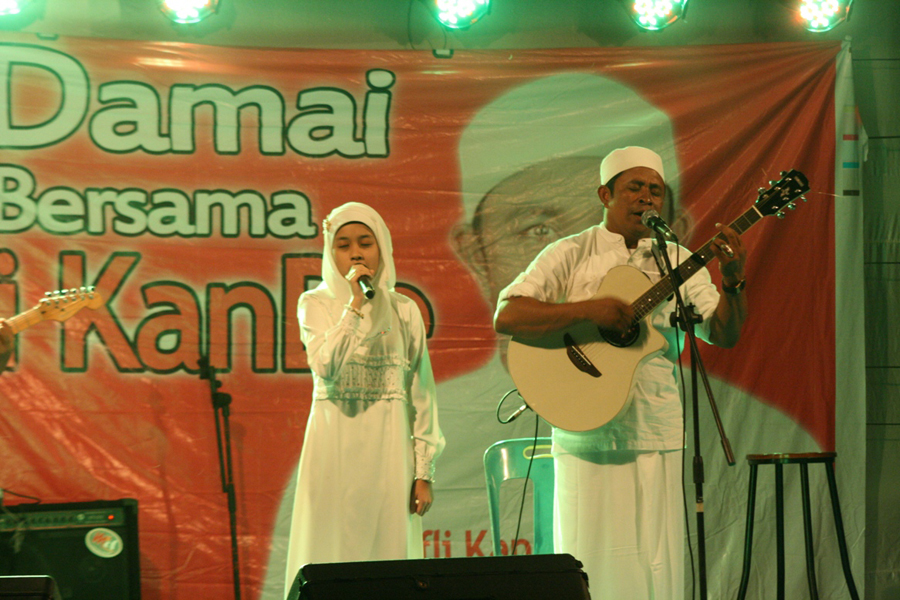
x=737, y=289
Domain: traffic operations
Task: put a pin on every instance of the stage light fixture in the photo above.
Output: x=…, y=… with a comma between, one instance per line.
x=459, y=14
x=654, y=15
x=12, y=7
x=188, y=11
x=824, y=15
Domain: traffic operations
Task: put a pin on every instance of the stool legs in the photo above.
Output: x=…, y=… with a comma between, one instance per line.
x=808, y=533
x=748, y=536
x=839, y=529
x=779, y=526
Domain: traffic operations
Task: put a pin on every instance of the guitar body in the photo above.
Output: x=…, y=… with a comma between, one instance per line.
x=553, y=379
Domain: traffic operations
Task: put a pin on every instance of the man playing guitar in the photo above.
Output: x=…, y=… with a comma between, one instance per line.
x=619, y=486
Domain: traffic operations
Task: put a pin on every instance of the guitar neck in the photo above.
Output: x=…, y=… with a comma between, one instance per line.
x=665, y=287
x=25, y=319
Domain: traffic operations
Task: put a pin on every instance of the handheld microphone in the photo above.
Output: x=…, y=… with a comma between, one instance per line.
x=366, y=284
x=652, y=220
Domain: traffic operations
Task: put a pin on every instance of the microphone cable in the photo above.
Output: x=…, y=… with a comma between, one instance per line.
x=516, y=413
x=537, y=423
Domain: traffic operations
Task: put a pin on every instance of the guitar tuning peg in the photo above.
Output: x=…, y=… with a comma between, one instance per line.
x=760, y=191
x=772, y=182
x=783, y=173
x=792, y=206
x=780, y=214
x=803, y=198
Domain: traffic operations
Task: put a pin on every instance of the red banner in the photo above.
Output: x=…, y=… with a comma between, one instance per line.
x=188, y=184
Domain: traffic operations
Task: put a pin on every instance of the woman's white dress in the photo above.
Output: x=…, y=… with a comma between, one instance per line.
x=372, y=431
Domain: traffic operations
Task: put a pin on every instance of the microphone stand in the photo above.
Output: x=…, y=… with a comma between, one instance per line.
x=221, y=402
x=686, y=318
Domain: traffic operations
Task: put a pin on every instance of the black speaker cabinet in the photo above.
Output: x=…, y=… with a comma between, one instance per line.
x=90, y=549
x=530, y=577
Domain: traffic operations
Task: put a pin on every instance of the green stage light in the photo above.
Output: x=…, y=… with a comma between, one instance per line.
x=824, y=15
x=654, y=15
x=188, y=11
x=459, y=14
x=12, y=7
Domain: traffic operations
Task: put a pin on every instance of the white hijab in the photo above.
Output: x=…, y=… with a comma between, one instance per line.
x=377, y=312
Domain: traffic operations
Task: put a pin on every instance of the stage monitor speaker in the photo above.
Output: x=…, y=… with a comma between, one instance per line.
x=90, y=549
x=530, y=577
x=28, y=587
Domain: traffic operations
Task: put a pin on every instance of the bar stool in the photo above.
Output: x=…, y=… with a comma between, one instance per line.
x=804, y=460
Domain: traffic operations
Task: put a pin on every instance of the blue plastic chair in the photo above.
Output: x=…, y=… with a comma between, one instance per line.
x=508, y=459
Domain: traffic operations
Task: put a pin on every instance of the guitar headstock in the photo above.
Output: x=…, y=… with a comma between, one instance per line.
x=62, y=304
x=792, y=185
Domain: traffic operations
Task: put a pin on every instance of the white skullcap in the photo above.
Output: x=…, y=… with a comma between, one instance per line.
x=622, y=159
x=558, y=116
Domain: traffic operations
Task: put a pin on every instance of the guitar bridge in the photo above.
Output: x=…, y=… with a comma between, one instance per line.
x=578, y=358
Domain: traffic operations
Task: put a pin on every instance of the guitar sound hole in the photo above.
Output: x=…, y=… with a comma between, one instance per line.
x=619, y=339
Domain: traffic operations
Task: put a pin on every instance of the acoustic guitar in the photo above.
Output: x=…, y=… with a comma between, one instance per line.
x=580, y=378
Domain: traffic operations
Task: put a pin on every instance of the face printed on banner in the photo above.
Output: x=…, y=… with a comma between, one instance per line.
x=354, y=243
x=524, y=213
x=534, y=153
x=634, y=191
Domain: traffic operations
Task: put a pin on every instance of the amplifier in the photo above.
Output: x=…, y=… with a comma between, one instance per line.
x=90, y=549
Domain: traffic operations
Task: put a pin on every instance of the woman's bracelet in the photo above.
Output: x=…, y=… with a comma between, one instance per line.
x=355, y=310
